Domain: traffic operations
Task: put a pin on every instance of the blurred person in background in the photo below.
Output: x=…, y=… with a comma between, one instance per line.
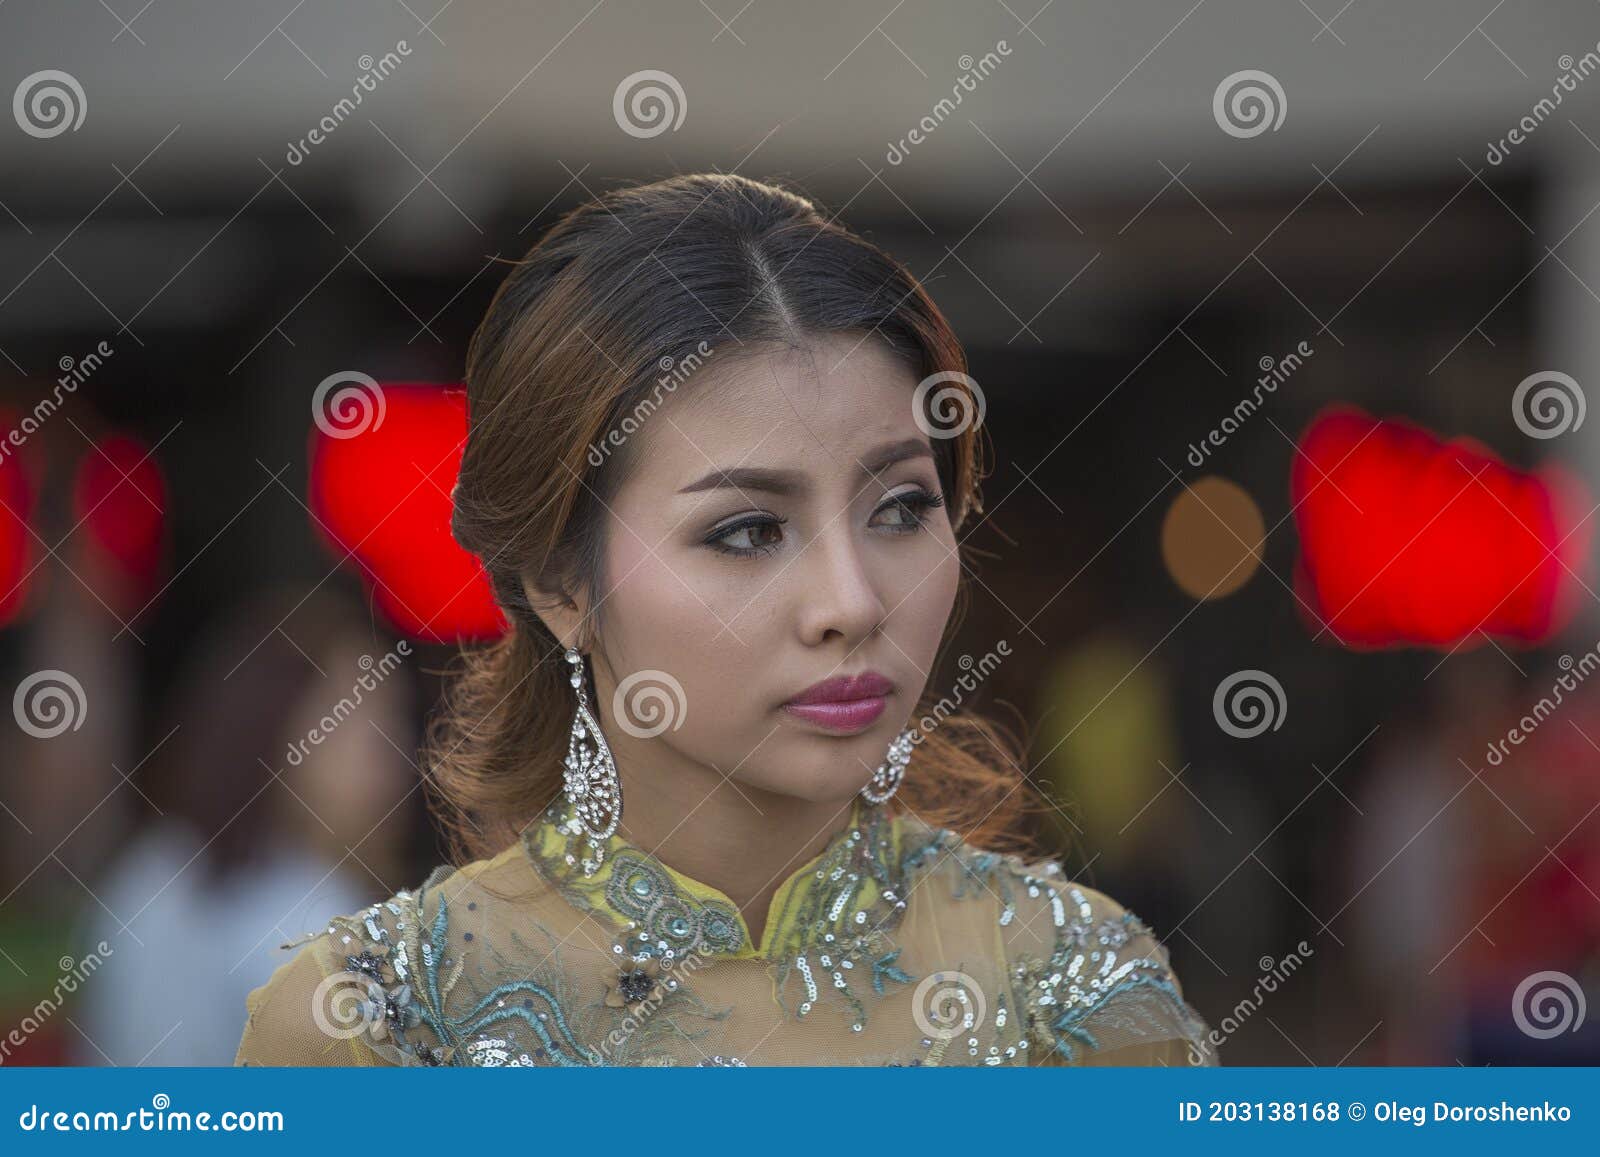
x=1530, y=940
x=72, y=694
x=260, y=832
x=1447, y=884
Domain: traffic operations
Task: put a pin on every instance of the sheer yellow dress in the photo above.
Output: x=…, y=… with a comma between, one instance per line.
x=898, y=944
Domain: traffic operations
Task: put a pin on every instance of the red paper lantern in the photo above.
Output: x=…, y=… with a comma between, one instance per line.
x=1410, y=539
x=119, y=497
x=383, y=461
x=16, y=508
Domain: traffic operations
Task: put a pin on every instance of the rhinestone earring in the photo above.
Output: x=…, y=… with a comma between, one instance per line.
x=886, y=780
x=592, y=783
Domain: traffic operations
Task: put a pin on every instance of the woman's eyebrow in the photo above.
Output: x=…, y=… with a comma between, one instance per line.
x=749, y=478
x=882, y=457
x=786, y=482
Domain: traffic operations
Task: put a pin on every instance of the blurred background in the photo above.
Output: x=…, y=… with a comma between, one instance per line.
x=1135, y=214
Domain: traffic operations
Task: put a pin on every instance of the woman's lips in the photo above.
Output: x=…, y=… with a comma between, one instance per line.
x=842, y=716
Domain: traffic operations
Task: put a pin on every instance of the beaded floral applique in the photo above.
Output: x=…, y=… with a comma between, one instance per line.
x=1087, y=987
x=410, y=970
x=406, y=971
x=842, y=917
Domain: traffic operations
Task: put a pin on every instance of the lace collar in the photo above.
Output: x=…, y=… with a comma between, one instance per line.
x=848, y=895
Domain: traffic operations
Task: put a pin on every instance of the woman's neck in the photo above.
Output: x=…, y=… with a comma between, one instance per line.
x=741, y=840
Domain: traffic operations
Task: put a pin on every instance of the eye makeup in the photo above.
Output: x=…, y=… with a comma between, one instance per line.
x=910, y=508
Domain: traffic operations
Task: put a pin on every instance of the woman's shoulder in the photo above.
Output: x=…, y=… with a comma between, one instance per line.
x=359, y=991
x=1033, y=893
x=1094, y=980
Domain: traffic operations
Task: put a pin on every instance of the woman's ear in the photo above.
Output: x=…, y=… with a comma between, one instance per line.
x=562, y=611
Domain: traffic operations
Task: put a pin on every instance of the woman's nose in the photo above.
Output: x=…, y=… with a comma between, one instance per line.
x=839, y=594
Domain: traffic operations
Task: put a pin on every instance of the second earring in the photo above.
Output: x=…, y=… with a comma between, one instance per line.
x=592, y=782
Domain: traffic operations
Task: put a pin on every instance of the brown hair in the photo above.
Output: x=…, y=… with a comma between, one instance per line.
x=574, y=340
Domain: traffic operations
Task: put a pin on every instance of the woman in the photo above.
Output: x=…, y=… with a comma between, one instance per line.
x=703, y=812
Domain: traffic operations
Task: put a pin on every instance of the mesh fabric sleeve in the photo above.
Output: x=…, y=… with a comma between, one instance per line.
x=1096, y=985
x=300, y=1016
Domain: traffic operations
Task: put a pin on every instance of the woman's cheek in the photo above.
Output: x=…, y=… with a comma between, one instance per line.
x=927, y=609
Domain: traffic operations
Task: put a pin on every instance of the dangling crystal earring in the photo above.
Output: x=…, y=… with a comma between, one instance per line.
x=886, y=780
x=592, y=783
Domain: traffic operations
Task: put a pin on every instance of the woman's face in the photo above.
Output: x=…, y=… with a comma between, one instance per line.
x=780, y=527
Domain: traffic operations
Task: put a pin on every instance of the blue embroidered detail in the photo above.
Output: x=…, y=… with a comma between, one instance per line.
x=1109, y=1012
x=641, y=890
x=459, y=1040
x=884, y=968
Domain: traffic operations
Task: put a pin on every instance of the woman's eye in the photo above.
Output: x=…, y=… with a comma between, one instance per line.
x=762, y=534
x=753, y=537
x=906, y=513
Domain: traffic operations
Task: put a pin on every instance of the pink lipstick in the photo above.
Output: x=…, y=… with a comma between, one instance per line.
x=844, y=704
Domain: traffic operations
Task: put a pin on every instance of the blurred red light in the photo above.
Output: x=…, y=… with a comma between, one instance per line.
x=1410, y=539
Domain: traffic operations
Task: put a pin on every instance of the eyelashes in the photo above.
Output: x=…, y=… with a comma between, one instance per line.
x=755, y=535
